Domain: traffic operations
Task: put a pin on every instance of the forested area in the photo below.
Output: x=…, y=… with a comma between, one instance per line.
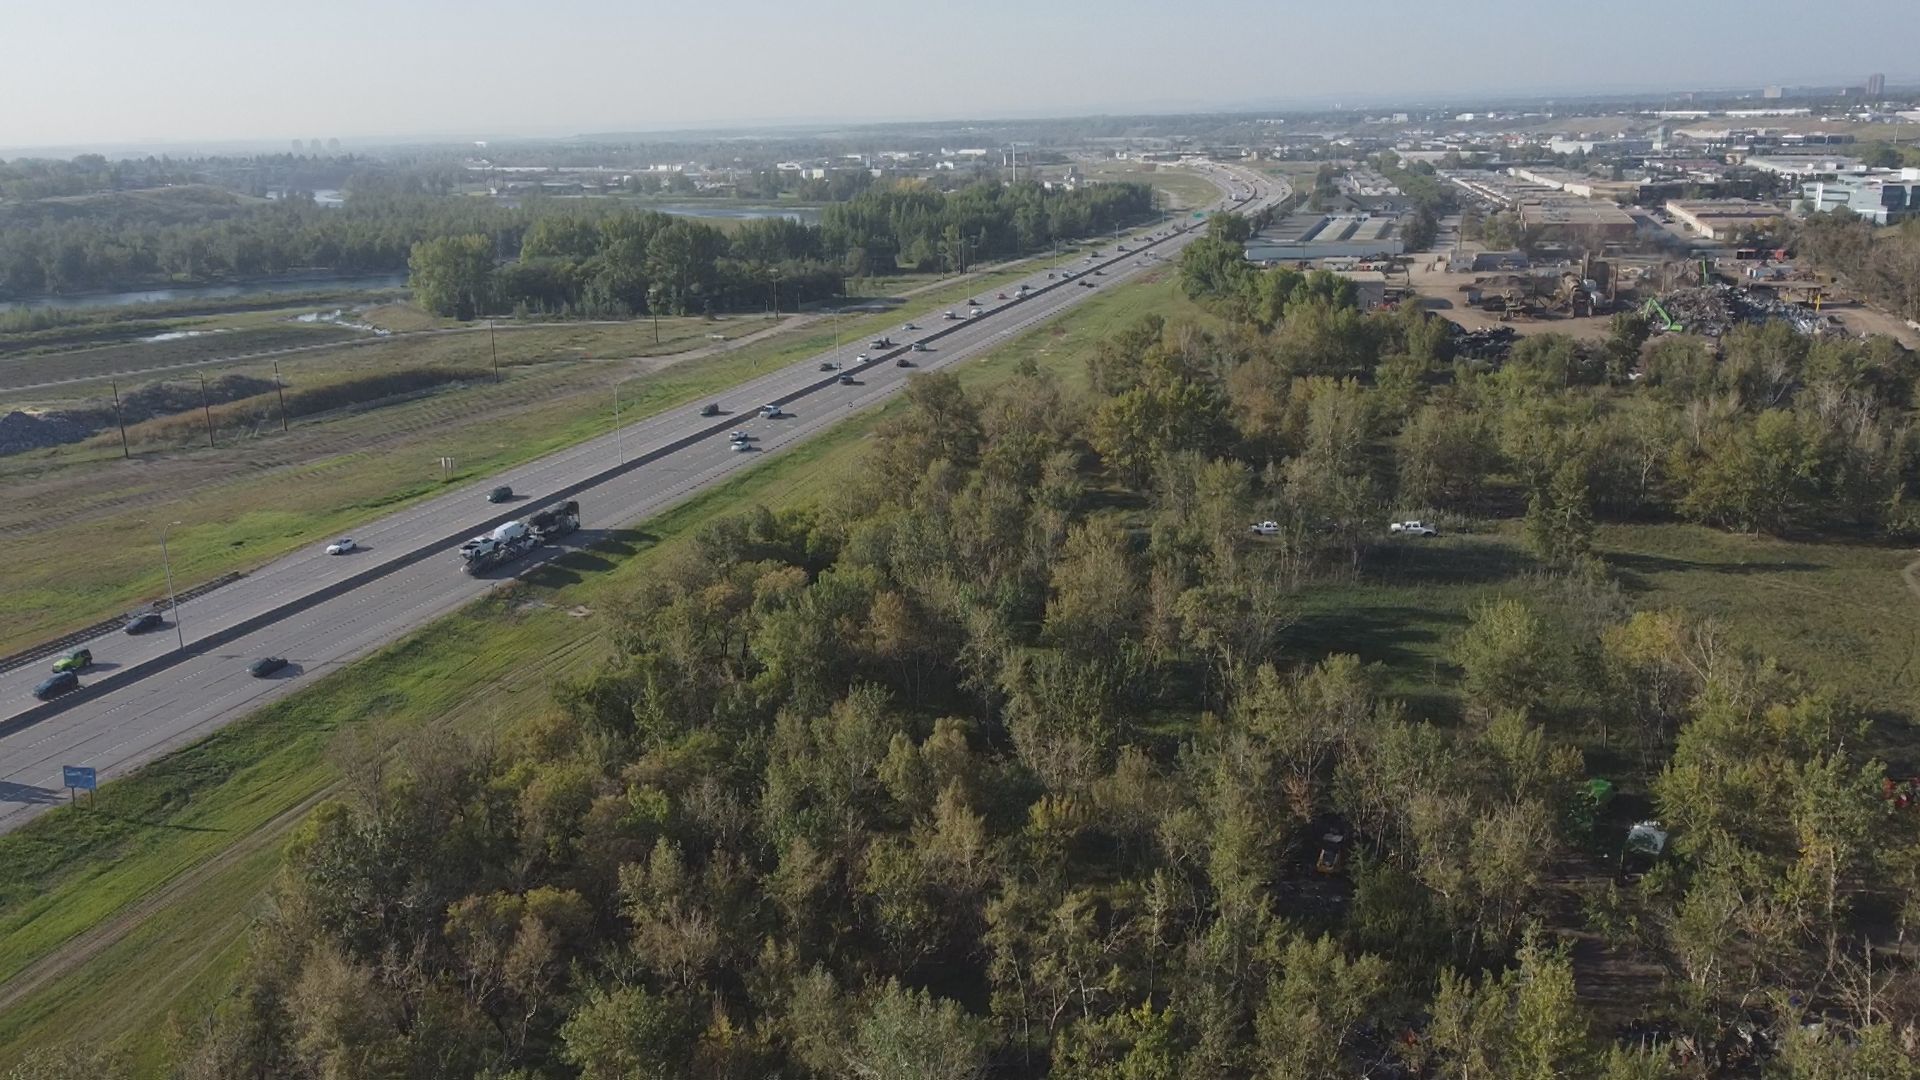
x=1013, y=759
x=1882, y=263
x=196, y=235
x=610, y=261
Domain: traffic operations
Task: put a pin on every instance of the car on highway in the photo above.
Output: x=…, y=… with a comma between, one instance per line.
x=710, y=409
x=739, y=436
x=77, y=660
x=1412, y=528
x=950, y=316
x=501, y=494
x=901, y=361
x=1265, y=528
x=741, y=446
x=56, y=684
x=909, y=326
x=771, y=412
x=861, y=359
x=142, y=621
x=1003, y=296
x=343, y=545
x=829, y=365
x=973, y=303
x=916, y=347
x=846, y=378
x=1050, y=273
x=266, y=666
x=1086, y=284
x=977, y=312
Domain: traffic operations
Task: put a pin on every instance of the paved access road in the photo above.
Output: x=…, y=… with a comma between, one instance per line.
x=408, y=574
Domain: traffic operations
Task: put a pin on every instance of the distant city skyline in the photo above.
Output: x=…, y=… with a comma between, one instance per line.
x=116, y=72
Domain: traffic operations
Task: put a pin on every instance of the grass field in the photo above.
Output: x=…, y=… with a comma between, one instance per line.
x=145, y=901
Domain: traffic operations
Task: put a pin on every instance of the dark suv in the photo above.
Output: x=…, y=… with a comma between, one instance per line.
x=501, y=494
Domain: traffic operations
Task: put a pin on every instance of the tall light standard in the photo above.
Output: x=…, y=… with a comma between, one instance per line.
x=173, y=604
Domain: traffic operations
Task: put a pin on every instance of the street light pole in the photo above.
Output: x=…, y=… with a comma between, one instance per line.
x=619, y=448
x=173, y=603
x=495, y=349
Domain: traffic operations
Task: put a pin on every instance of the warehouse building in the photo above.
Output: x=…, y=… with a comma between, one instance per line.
x=1312, y=237
x=1578, y=219
x=1722, y=219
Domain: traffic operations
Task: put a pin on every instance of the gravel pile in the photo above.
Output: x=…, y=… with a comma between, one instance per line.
x=21, y=431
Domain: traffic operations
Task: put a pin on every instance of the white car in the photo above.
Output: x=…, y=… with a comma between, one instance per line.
x=771, y=412
x=909, y=326
x=1412, y=528
x=950, y=316
x=742, y=447
x=1266, y=528
x=862, y=358
x=342, y=546
x=739, y=436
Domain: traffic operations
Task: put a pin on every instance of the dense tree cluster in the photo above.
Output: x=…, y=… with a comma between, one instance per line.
x=915, y=227
x=1013, y=760
x=199, y=234
x=1882, y=263
x=616, y=262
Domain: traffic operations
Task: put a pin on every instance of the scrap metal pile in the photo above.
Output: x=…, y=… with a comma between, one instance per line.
x=1491, y=344
x=1712, y=310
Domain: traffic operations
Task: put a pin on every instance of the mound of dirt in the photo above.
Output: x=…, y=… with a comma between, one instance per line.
x=21, y=431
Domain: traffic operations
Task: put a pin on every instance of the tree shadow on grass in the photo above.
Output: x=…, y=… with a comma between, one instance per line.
x=1635, y=569
x=1388, y=636
x=1415, y=561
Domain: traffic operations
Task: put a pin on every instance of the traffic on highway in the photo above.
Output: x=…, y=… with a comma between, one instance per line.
x=237, y=647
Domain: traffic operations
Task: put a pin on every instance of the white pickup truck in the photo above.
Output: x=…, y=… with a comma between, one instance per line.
x=1412, y=528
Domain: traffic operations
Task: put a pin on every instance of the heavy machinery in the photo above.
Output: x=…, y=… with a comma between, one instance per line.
x=1658, y=318
x=514, y=539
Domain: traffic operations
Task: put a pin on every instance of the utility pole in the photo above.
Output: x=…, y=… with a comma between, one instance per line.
x=495, y=349
x=117, y=419
x=206, y=410
x=277, y=389
x=619, y=447
x=173, y=602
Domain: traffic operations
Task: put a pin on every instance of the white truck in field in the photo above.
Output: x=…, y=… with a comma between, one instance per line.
x=515, y=538
x=1412, y=528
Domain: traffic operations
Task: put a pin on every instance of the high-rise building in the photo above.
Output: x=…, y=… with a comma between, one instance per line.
x=1876, y=85
x=1772, y=93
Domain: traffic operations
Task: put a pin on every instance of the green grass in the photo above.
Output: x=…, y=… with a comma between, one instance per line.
x=1835, y=611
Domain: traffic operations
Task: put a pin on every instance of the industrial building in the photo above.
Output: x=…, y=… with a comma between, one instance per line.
x=1883, y=197
x=1578, y=184
x=1721, y=219
x=1804, y=165
x=1581, y=219
x=1312, y=237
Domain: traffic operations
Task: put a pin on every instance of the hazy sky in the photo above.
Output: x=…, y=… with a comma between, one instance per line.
x=125, y=71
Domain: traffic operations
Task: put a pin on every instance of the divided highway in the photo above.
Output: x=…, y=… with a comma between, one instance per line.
x=145, y=697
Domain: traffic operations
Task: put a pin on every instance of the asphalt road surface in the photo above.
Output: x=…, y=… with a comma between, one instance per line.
x=377, y=594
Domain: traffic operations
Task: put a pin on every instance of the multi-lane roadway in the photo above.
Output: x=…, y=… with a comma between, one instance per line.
x=323, y=611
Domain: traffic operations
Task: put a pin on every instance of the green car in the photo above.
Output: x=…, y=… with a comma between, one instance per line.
x=77, y=660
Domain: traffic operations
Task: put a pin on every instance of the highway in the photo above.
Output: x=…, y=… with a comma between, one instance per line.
x=323, y=612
